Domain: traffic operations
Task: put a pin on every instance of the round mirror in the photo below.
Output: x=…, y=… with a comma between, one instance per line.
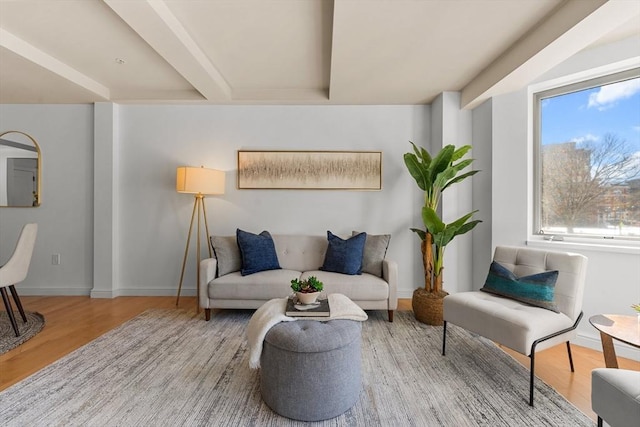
x=19, y=170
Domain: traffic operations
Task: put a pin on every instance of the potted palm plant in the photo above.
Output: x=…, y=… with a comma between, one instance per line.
x=434, y=175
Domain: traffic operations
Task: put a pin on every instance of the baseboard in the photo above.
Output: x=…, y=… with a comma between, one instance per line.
x=47, y=292
x=593, y=342
x=155, y=292
x=405, y=293
x=103, y=294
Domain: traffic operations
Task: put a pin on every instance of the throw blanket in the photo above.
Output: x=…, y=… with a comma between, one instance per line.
x=272, y=313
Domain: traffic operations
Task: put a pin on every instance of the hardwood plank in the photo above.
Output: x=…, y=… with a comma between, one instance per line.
x=72, y=321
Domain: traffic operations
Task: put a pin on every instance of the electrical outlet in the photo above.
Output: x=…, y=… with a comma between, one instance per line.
x=55, y=259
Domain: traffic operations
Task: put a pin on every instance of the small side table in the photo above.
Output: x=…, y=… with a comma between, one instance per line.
x=622, y=328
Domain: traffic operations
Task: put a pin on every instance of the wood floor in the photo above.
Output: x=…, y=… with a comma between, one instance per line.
x=74, y=321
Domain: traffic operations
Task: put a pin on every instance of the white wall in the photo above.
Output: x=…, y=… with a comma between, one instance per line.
x=65, y=222
x=153, y=219
x=142, y=223
x=482, y=131
x=613, y=276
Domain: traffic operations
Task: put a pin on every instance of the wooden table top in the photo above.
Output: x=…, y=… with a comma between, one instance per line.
x=621, y=327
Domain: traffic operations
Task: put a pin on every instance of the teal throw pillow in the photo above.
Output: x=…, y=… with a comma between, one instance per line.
x=257, y=251
x=344, y=256
x=537, y=289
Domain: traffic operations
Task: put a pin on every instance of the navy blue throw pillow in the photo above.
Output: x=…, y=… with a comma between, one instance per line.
x=257, y=251
x=537, y=289
x=344, y=256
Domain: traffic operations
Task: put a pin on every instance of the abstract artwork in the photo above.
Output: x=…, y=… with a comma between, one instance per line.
x=311, y=170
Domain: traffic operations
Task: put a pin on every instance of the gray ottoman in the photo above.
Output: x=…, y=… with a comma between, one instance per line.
x=311, y=370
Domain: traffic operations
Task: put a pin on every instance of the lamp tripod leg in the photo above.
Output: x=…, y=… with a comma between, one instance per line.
x=186, y=249
x=206, y=227
x=200, y=202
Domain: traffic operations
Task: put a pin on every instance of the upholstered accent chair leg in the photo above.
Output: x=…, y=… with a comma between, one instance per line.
x=570, y=358
x=7, y=305
x=599, y=421
x=532, y=374
x=390, y=315
x=207, y=314
x=16, y=298
x=444, y=337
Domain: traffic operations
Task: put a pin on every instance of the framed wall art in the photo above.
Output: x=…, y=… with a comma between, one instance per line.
x=310, y=170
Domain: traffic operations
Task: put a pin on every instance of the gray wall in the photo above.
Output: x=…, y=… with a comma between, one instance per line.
x=613, y=276
x=141, y=223
x=65, y=136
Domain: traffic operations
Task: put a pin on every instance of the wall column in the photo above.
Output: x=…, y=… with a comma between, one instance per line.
x=105, y=201
x=451, y=125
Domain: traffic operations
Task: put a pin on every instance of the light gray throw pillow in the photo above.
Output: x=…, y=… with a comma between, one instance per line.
x=227, y=254
x=375, y=249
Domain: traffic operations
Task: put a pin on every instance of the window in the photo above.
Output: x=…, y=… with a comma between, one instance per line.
x=587, y=163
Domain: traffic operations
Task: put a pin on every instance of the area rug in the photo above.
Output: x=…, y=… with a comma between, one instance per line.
x=8, y=339
x=168, y=368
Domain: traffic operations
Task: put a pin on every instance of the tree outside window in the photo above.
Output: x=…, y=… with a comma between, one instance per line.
x=589, y=158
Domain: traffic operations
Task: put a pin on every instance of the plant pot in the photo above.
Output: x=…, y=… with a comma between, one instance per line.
x=307, y=298
x=427, y=306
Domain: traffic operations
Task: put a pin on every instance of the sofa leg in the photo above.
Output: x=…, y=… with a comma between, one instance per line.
x=390, y=315
x=207, y=314
x=599, y=421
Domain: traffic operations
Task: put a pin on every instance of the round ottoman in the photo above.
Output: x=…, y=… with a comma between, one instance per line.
x=311, y=370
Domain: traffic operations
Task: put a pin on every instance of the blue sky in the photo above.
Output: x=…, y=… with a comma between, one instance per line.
x=589, y=114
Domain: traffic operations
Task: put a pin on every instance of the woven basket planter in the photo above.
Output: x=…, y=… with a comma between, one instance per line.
x=427, y=306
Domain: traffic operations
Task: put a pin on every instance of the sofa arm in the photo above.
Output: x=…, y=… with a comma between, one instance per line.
x=390, y=275
x=207, y=274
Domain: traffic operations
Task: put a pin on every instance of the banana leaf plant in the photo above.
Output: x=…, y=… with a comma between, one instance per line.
x=434, y=175
x=443, y=234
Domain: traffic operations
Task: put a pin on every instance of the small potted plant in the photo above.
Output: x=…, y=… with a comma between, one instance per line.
x=307, y=290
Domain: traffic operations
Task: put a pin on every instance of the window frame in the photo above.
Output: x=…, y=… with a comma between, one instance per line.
x=537, y=96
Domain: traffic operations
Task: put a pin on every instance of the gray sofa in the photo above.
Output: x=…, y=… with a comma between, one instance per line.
x=222, y=286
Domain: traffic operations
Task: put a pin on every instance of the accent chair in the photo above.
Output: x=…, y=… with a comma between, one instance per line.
x=519, y=325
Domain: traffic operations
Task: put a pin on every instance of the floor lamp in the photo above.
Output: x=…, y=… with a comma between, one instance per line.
x=199, y=182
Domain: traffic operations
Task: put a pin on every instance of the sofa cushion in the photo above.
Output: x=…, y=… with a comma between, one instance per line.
x=375, y=249
x=344, y=256
x=264, y=285
x=536, y=289
x=227, y=254
x=258, y=252
x=362, y=287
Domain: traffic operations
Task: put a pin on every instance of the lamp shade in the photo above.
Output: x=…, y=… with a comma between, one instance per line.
x=199, y=180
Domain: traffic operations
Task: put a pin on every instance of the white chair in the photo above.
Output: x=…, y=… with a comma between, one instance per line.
x=615, y=396
x=15, y=271
x=519, y=326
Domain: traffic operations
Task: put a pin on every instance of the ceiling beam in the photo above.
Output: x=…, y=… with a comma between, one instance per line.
x=158, y=26
x=31, y=53
x=570, y=28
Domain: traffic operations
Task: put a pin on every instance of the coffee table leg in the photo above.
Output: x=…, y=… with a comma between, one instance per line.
x=610, y=359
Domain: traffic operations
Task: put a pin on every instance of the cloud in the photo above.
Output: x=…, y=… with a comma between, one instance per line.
x=585, y=138
x=608, y=95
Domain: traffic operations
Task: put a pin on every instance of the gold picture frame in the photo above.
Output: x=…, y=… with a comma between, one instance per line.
x=310, y=170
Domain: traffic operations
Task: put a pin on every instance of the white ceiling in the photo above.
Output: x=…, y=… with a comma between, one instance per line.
x=292, y=51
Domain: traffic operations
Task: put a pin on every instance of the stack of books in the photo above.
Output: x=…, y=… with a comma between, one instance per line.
x=318, y=309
